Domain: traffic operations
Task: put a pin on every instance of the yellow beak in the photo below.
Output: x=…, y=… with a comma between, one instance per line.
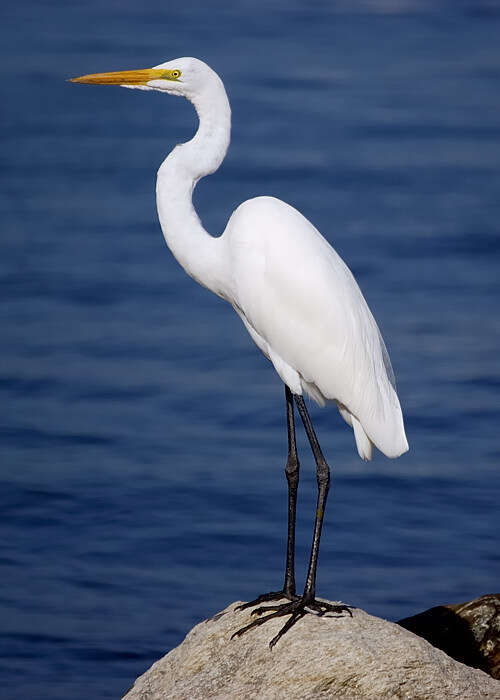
x=125, y=77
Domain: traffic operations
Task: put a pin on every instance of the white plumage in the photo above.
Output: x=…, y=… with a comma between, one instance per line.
x=304, y=310
x=296, y=297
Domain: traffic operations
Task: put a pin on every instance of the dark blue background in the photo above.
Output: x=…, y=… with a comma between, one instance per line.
x=142, y=435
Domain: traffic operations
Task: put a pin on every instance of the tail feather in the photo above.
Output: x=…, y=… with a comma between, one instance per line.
x=363, y=442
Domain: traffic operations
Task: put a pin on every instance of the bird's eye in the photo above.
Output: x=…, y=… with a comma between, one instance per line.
x=176, y=74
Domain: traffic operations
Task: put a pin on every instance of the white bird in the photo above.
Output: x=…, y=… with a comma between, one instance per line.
x=296, y=297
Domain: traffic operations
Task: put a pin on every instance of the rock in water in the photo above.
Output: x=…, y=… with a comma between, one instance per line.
x=354, y=658
x=468, y=632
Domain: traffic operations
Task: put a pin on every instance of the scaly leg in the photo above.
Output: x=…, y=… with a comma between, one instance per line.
x=298, y=607
x=292, y=476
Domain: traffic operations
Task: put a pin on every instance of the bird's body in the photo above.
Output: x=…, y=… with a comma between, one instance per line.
x=295, y=295
x=305, y=311
x=297, y=298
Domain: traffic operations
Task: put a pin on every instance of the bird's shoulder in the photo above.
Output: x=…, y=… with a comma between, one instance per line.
x=266, y=217
x=270, y=242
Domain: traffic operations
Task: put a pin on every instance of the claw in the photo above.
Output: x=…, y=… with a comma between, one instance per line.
x=296, y=609
x=266, y=608
x=264, y=598
x=289, y=623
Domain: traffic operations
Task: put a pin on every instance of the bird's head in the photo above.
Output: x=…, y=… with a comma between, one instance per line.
x=186, y=77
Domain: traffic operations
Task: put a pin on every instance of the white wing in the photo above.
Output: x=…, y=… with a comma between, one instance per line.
x=305, y=311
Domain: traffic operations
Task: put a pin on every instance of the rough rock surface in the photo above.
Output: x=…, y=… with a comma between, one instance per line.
x=468, y=632
x=320, y=657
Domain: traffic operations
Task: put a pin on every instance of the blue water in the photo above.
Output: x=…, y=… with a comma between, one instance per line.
x=142, y=435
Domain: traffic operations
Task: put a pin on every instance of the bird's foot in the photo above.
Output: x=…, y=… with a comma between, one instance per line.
x=295, y=608
x=267, y=598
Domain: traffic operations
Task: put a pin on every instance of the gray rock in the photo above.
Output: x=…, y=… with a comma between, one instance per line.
x=468, y=632
x=320, y=657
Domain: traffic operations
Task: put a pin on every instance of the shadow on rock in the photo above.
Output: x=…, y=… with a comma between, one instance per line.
x=468, y=632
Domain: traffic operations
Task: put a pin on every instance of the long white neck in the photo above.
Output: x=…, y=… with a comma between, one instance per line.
x=201, y=255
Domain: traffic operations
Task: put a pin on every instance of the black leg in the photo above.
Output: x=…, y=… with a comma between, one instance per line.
x=323, y=480
x=298, y=607
x=292, y=476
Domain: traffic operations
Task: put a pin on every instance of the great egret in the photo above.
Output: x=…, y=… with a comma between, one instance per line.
x=296, y=297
